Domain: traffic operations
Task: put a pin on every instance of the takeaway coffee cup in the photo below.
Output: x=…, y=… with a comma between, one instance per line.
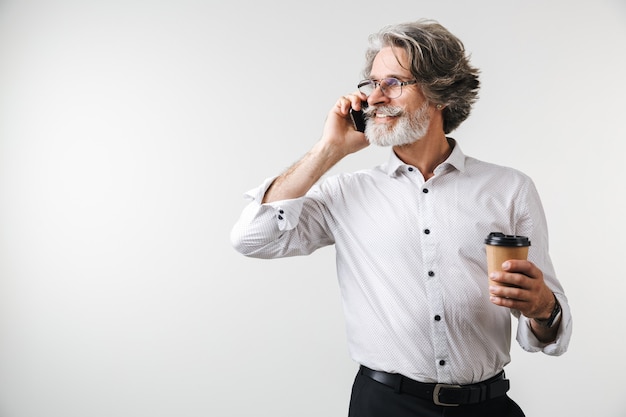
x=501, y=248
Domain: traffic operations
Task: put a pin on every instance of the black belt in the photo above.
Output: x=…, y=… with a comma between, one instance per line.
x=442, y=394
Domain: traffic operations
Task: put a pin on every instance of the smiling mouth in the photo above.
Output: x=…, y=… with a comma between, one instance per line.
x=383, y=113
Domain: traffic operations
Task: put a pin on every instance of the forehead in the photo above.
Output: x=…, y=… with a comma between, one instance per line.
x=390, y=62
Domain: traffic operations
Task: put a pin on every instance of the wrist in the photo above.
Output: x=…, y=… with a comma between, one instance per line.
x=553, y=318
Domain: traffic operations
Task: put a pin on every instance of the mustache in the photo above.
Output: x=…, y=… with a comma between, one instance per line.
x=383, y=110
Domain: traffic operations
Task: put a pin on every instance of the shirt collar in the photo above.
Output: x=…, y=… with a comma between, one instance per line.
x=456, y=159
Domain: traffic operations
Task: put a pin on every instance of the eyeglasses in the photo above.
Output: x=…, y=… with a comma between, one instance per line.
x=390, y=87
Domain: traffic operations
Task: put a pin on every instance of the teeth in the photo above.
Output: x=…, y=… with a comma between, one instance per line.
x=382, y=115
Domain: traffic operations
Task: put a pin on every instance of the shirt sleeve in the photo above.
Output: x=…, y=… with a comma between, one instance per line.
x=529, y=342
x=276, y=229
x=533, y=223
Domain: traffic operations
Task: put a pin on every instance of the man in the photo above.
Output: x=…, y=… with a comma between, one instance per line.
x=431, y=334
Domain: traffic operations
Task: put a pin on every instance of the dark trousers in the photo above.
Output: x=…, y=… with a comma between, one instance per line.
x=373, y=399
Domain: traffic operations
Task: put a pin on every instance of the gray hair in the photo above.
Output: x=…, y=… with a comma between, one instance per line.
x=438, y=62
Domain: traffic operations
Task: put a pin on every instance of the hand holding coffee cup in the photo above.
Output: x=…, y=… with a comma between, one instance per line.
x=500, y=248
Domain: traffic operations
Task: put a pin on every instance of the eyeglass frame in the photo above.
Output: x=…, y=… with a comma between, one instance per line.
x=377, y=83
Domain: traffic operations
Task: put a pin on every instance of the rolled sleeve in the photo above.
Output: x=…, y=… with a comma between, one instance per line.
x=286, y=212
x=529, y=342
x=273, y=230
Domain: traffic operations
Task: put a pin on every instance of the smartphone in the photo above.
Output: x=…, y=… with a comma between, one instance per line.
x=358, y=118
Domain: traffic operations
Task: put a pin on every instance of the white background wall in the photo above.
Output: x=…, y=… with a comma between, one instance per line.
x=129, y=131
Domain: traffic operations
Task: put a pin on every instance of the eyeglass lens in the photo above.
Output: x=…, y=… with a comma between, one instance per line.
x=390, y=87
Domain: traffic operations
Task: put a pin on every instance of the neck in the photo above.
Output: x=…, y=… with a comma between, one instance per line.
x=425, y=154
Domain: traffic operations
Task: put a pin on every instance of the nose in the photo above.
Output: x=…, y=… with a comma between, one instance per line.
x=377, y=97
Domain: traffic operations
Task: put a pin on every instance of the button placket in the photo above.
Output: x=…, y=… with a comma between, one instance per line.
x=434, y=287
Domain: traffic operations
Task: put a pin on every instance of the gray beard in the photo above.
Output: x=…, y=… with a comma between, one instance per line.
x=407, y=129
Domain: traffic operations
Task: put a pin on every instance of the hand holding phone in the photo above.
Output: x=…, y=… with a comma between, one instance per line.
x=358, y=117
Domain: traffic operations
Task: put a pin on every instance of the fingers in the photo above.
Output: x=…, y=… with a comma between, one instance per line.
x=520, y=286
x=531, y=303
x=354, y=101
x=339, y=130
x=517, y=272
x=509, y=302
x=509, y=293
x=521, y=299
x=522, y=267
x=513, y=283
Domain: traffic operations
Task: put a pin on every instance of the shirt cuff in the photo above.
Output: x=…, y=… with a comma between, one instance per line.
x=529, y=342
x=286, y=212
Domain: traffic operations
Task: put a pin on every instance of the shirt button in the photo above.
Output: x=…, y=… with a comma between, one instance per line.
x=425, y=190
x=431, y=273
x=427, y=231
x=410, y=169
x=437, y=317
x=442, y=362
x=281, y=211
x=280, y=217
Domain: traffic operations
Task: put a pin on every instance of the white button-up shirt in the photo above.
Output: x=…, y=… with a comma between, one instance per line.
x=411, y=261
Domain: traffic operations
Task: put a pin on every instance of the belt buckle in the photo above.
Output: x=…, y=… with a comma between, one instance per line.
x=438, y=388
